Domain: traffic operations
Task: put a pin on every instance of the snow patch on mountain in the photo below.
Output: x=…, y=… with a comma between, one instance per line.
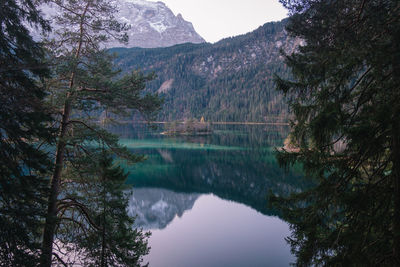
x=152, y=24
x=158, y=26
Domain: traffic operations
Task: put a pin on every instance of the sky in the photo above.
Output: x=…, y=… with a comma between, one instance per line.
x=217, y=19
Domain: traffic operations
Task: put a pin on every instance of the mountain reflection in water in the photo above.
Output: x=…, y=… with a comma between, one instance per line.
x=196, y=193
x=155, y=208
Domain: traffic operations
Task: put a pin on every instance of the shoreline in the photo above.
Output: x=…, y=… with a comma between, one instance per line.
x=221, y=123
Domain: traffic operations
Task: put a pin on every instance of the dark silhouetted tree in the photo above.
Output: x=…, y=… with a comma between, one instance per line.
x=109, y=238
x=345, y=97
x=85, y=84
x=23, y=124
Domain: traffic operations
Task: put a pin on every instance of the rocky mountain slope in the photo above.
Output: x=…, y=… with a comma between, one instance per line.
x=231, y=80
x=152, y=24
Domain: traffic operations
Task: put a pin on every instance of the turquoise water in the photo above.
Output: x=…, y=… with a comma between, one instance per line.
x=205, y=198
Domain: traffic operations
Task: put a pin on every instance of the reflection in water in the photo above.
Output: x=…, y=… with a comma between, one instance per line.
x=191, y=190
x=235, y=163
x=219, y=233
x=156, y=208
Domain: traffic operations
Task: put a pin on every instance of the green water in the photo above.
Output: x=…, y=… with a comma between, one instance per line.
x=188, y=182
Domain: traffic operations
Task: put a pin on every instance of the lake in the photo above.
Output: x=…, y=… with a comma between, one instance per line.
x=205, y=198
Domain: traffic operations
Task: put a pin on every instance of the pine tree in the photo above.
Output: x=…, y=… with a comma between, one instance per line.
x=345, y=97
x=85, y=84
x=23, y=123
x=109, y=239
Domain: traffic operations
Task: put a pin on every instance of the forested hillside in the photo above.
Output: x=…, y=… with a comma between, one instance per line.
x=231, y=80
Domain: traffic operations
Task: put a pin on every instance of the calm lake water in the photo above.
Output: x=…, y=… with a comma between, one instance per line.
x=205, y=198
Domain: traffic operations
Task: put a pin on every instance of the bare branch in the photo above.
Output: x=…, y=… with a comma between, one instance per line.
x=59, y=259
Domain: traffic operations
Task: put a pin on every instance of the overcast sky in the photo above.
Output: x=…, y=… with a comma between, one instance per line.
x=217, y=19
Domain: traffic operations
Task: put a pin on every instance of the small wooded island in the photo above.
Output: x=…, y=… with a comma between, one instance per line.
x=188, y=127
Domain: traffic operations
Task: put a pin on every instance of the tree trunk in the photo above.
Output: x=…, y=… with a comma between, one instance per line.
x=396, y=144
x=103, y=248
x=103, y=237
x=396, y=184
x=51, y=219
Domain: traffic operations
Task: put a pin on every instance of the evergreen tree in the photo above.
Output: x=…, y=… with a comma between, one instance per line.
x=345, y=97
x=23, y=122
x=85, y=84
x=109, y=238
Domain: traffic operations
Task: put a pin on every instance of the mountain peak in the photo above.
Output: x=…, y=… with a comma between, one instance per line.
x=146, y=3
x=153, y=24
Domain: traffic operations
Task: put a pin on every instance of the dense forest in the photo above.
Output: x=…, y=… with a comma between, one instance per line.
x=231, y=80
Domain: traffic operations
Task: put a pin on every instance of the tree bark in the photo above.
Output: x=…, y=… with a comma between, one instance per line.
x=396, y=183
x=396, y=143
x=51, y=219
x=103, y=237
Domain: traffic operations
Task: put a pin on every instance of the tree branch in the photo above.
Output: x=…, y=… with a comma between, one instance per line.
x=59, y=259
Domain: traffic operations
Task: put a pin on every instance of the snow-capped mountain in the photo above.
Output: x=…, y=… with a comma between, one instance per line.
x=153, y=24
x=155, y=208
